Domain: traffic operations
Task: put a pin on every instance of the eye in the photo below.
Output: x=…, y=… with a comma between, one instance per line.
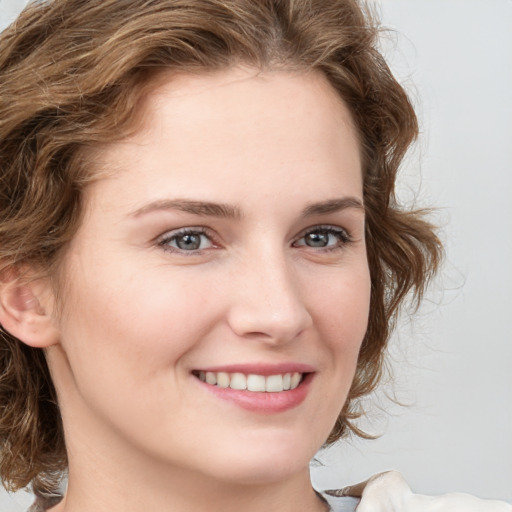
x=324, y=237
x=186, y=240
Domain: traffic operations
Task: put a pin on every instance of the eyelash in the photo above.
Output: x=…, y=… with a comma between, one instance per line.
x=343, y=236
x=171, y=236
x=343, y=239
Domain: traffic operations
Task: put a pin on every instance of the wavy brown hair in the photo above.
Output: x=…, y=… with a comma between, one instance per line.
x=72, y=74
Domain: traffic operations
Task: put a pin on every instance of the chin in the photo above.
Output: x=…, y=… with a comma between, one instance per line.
x=265, y=460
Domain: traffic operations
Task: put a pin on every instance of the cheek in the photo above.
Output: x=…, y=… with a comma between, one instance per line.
x=342, y=319
x=343, y=307
x=125, y=344
x=119, y=329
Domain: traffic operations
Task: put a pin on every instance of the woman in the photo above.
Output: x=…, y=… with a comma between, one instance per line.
x=201, y=252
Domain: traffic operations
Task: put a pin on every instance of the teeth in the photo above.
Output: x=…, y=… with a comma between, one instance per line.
x=238, y=381
x=252, y=382
x=256, y=383
x=274, y=383
x=223, y=380
x=295, y=380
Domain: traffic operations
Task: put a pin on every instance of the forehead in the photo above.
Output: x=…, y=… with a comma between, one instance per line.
x=259, y=98
x=239, y=128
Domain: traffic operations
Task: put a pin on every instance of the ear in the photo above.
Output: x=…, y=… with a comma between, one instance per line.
x=26, y=310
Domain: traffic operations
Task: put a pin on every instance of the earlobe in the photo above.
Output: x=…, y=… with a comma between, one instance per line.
x=24, y=314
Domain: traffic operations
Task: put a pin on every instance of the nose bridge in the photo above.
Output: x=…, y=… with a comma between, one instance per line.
x=268, y=304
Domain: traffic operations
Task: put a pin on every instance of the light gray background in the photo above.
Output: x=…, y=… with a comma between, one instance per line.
x=451, y=363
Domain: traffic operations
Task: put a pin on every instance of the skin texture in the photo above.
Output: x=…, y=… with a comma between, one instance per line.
x=140, y=315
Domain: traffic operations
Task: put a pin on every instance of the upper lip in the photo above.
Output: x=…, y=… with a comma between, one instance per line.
x=260, y=368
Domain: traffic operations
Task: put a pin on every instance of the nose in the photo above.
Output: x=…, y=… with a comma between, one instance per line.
x=267, y=304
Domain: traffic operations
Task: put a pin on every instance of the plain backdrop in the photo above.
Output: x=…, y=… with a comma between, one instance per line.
x=451, y=363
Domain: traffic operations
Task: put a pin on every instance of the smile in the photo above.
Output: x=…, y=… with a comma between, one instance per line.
x=252, y=382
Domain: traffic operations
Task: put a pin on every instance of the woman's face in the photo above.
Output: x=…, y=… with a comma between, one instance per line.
x=222, y=255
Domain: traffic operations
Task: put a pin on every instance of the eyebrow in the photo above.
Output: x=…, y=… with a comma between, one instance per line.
x=222, y=210
x=332, y=206
x=203, y=208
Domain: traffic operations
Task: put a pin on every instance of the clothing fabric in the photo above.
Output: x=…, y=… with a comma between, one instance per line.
x=336, y=503
x=41, y=504
x=340, y=503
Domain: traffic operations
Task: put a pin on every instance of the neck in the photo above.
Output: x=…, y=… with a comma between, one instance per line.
x=112, y=475
x=135, y=489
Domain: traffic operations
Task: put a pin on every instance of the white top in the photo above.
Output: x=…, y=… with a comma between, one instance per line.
x=340, y=503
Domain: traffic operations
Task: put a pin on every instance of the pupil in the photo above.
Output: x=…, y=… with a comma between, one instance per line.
x=189, y=242
x=317, y=239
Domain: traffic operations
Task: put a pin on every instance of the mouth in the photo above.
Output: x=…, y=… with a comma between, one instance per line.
x=252, y=382
x=258, y=387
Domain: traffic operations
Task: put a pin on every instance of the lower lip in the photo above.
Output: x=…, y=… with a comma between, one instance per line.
x=261, y=402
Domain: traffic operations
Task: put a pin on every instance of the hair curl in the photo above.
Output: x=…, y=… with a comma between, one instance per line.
x=72, y=73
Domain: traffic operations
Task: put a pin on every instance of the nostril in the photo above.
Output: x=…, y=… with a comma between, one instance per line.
x=264, y=322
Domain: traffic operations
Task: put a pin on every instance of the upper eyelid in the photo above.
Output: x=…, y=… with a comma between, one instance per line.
x=184, y=230
x=344, y=235
x=327, y=227
x=214, y=237
x=164, y=238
